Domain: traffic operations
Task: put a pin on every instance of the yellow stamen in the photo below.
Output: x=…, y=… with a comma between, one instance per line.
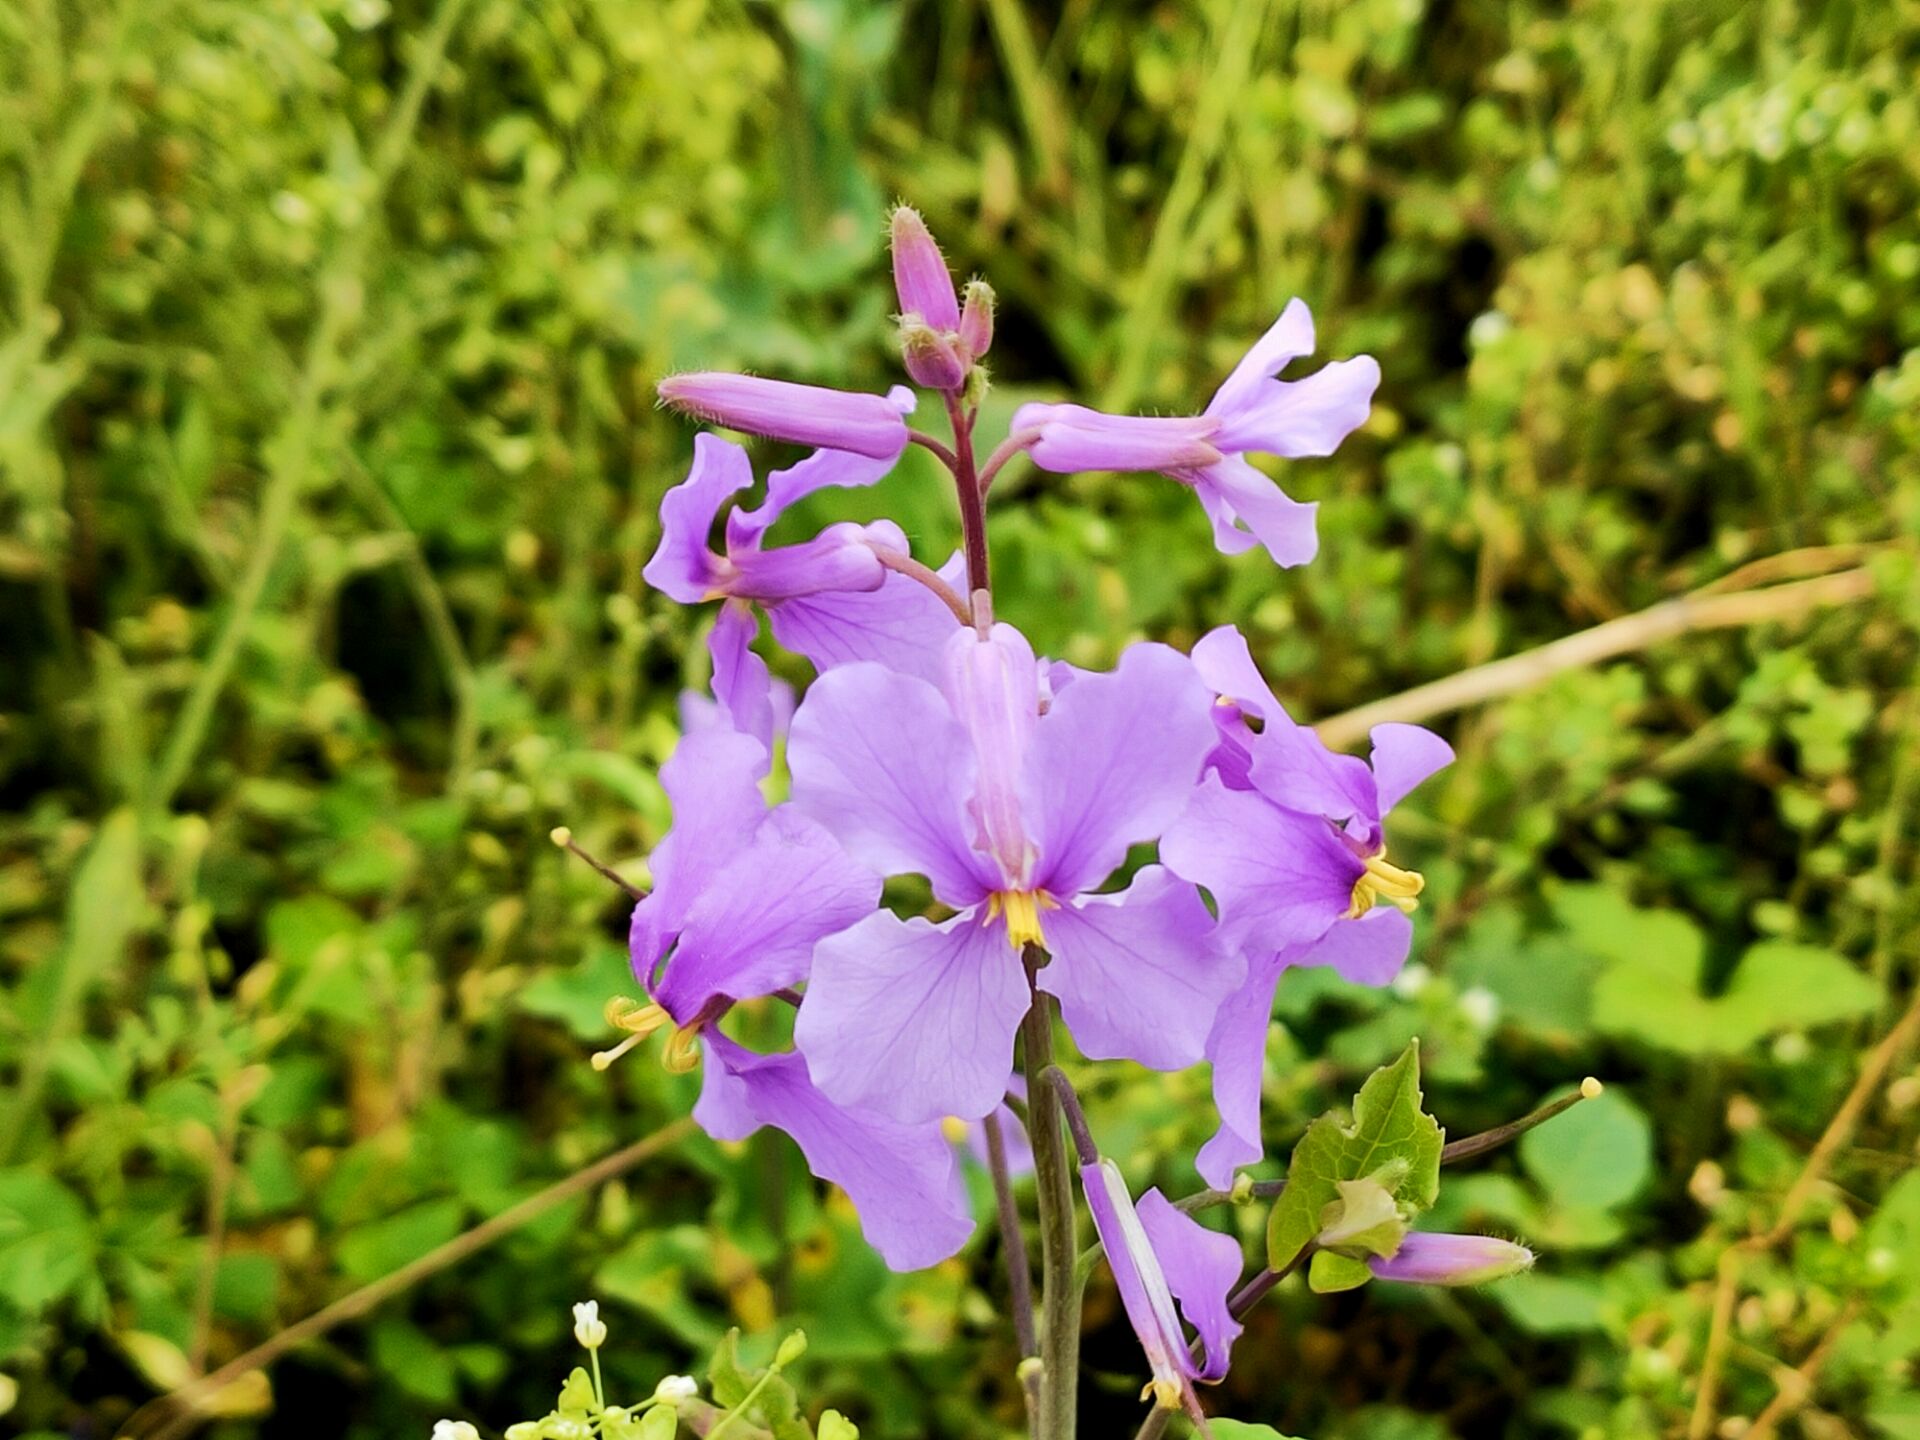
x=682, y=1054
x=954, y=1129
x=1164, y=1394
x=1384, y=881
x=639, y=1021
x=1022, y=909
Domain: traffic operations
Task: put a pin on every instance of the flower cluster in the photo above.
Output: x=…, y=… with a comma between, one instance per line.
x=935, y=743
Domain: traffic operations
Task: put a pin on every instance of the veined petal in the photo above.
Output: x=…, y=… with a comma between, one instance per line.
x=1074, y=438
x=912, y=1020
x=822, y=470
x=753, y=926
x=1113, y=762
x=838, y=558
x=902, y=625
x=742, y=685
x=1237, y=1046
x=1367, y=951
x=1139, y=975
x=1142, y=1284
x=994, y=687
x=683, y=564
x=1202, y=1266
x=1234, y=494
x=1403, y=756
x=879, y=760
x=1301, y=418
x=1279, y=878
x=869, y=425
x=1288, y=338
x=902, y=1179
x=1224, y=661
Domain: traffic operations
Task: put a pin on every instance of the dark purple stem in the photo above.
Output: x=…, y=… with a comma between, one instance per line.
x=939, y=449
x=972, y=498
x=1013, y=445
x=1076, y=1117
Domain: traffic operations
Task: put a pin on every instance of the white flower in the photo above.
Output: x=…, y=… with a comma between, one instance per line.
x=454, y=1430
x=674, y=1389
x=588, y=1328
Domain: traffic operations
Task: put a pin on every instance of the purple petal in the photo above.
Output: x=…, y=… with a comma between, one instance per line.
x=914, y=1020
x=1288, y=338
x=1139, y=975
x=1144, y=1293
x=869, y=425
x=879, y=759
x=902, y=626
x=1114, y=762
x=994, y=687
x=1427, y=1259
x=1074, y=438
x=713, y=780
x=1230, y=759
x=1278, y=877
x=1233, y=494
x=836, y=559
x=920, y=276
x=742, y=686
x=1237, y=1047
x=902, y=1180
x=684, y=565
x=753, y=927
x=1403, y=756
x=1202, y=1266
x=1367, y=951
x=824, y=469
x=1225, y=664
x=1302, y=418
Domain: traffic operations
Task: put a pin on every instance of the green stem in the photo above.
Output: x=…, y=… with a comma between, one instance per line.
x=1059, y=1295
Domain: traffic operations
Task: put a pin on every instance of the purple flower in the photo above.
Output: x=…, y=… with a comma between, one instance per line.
x=938, y=340
x=1251, y=412
x=1015, y=815
x=742, y=894
x=842, y=420
x=1288, y=838
x=920, y=275
x=1159, y=1255
x=1424, y=1259
x=829, y=598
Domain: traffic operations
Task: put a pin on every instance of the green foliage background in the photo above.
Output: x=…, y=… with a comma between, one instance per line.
x=328, y=465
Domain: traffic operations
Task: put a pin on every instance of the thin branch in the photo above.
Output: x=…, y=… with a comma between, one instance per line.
x=1630, y=633
x=178, y=1410
x=940, y=451
x=1794, y=1393
x=1019, y=1268
x=911, y=568
x=1467, y=1148
x=1015, y=444
x=1083, y=1145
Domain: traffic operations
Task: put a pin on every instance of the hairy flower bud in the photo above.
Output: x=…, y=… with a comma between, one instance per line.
x=976, y=319
x=933, y=360
x=1452, y=1260
x=920, y=276
x=870, y=425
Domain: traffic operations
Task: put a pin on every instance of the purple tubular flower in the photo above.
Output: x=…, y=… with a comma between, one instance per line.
x=1159, y=1255
x=742, y=894
x=920, y=275
x=1288, y=838
x=1451, y=1260
x=869, y=425
x=1251, y=412
x=1014, y=816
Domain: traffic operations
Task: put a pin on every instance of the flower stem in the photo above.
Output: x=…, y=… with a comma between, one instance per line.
x=1059, y=1296
x=1019, y=1270
x=1083, y=1145
x=966, y=485
x=1014, y=444
x=906, y=565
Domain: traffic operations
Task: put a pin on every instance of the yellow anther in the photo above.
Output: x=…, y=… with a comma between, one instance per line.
x=1022, y=909
x=955, y=1130
x=1164, y=1394
x=682, y=1053
x=1388, y=882
x=639, y=1021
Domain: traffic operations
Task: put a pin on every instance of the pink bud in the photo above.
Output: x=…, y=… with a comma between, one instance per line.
x=920, y=275
x=870, y=425
x=976, y=319
x=933, y=360
x=1452, y=1260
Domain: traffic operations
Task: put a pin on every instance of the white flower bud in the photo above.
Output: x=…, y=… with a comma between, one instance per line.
x=675, y=1388
x=588, y=1328
x=454, y=1430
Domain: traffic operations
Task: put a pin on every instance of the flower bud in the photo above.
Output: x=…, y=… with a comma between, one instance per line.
x=933, y=360
x=454, y=1430
x=1452, y=1260
x=869, y=425
x=588, y=1328
x=976, y=319
x=920, y=275
x=791, y=1349
x=675, y=1388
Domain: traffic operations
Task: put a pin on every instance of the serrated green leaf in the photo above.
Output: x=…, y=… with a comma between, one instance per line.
x=1330, y=1273
x=1388, y=1128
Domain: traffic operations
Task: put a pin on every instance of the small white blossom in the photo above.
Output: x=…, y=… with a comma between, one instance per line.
x=454, y=1430
x=1481, y=1007
x=588, y=1328
x=675, y=1388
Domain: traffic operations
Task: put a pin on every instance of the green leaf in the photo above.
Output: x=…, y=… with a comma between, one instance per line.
x=1389, y=1132
x=835, y=1426
x=1596, y=1156
x=372, y=1250
x=576, y=1396
x=1234, y=1430
x=659, y=1423
x=1551, y=1304
x=1330, y=1273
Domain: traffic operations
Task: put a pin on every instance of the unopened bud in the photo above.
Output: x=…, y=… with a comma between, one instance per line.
x=675, y=1388
x=1452, y=1260
x=933, y=360
x=588, y=1328
x=791, y=1349
x=920, y=276
x=454, y=1430
x=976, y=319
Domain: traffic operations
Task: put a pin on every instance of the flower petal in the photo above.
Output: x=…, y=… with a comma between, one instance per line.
x=902, y=1180
x=838, y=558
x=1137, y=1275
x=1074, y=438
x=993, y=683
x=753, y=926
x=742, y=686
x=1139, y=975
x=1403, y=756
x=869, y=425
x=822, y=470
x=1302, y=418
x=914, y=1020
x=1113, y=762
x=1224, y=661
x=1367, y=951
x=1279, y=878
x=1233, y=493
x=1288, y=338
x=683, y=564
x=902, y=625
x=1237, y=1046
x=1202, y=1266
x=879, y=759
